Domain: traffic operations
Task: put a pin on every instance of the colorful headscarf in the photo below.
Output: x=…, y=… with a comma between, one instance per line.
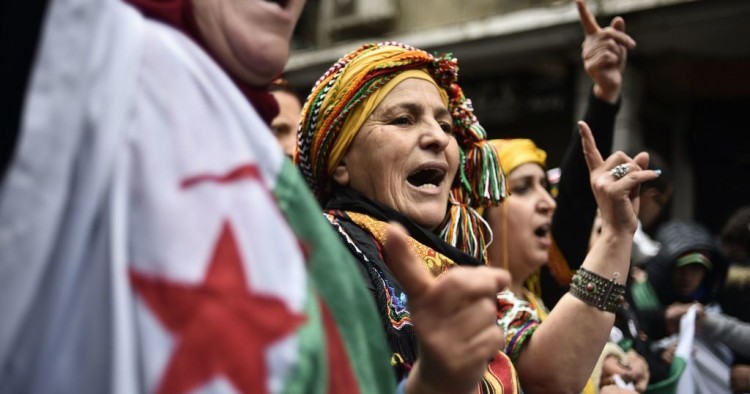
x=340, y=102
x=517, y=151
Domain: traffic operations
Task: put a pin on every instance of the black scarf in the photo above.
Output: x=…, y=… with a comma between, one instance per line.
x=347, y=199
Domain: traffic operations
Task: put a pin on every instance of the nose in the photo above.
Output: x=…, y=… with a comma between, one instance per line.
x=547, y=203
x=434, y=137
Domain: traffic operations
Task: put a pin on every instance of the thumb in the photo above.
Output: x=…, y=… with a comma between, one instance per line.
x=408, y=269
x=618, y=24
x=642, y=160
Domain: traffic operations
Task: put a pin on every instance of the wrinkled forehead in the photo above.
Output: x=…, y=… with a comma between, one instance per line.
x=415, y=95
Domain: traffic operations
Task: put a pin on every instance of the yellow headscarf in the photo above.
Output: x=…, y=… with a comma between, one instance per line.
x=514, y=152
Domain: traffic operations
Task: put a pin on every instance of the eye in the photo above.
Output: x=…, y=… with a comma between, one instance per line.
x=520, y=189
x=281, y=130
x=401, y=121
x=447, y=127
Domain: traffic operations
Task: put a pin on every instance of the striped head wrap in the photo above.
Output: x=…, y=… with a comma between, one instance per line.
x=513, y=152
x=340, y=102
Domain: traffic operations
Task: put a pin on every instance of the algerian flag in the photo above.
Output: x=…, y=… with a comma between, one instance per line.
x=153, y=237
x=680, y=379
x=683, y=353
x=695, y=368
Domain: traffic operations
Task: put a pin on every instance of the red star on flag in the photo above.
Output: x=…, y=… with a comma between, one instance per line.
x=220, y=326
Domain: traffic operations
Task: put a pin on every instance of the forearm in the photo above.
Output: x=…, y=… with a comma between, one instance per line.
x=562, y=353
x=575, y=330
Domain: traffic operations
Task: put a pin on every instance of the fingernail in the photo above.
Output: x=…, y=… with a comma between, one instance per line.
x=657, y=171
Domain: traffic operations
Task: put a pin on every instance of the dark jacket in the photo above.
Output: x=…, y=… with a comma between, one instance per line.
x=576, y=206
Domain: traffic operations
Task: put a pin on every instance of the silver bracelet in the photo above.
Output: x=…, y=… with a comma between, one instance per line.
x=595, y=290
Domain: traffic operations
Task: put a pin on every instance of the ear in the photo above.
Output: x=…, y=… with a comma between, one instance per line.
x=341, y=174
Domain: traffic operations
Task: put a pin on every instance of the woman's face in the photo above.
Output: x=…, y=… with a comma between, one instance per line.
x=528, y=211
x=284, y=125
x=249, y=37
x=404, y=155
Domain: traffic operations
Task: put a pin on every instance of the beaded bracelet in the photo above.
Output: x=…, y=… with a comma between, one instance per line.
x=597, y=291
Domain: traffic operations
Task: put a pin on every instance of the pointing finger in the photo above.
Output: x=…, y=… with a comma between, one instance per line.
x=587, y=18
x=590, y=151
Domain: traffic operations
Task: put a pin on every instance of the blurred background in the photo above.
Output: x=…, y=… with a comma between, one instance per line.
x=686, y=92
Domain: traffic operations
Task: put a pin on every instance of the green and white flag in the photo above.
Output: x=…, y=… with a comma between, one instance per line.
x=698, y=367
x=154, y=238
x=681, y=376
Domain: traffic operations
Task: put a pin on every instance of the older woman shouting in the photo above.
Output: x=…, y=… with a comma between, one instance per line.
x=377, y=144
x=387, y=135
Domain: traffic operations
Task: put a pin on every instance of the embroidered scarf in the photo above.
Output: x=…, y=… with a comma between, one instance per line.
x=347, y=209
x=346, y=199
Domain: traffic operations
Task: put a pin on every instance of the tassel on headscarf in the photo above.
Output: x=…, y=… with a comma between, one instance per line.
x=465, y=228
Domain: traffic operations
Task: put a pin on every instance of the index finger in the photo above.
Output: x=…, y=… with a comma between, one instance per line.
x=587, y=18
x=408, y=269
x=590, y=151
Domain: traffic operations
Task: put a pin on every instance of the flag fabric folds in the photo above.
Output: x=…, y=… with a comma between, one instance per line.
x=695, y=369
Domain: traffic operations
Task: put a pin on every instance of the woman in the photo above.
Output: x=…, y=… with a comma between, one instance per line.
x=394, y=162
x=528, y=211
x=284, y=125
x=385, y=135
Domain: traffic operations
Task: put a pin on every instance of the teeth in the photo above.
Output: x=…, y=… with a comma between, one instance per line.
x=428, y=186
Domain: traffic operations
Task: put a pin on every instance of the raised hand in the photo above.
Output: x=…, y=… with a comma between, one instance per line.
x=639, y=372
x=616, y=196
x=454, y=317
x=604, y=53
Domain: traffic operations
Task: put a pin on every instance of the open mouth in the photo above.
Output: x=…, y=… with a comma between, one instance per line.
x=427, y=178
x=281, y=3
x=543, y=230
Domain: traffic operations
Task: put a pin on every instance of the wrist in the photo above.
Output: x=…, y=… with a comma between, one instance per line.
x=417, y=383
x=610, y=95
x=616, y=235
x=606, y=294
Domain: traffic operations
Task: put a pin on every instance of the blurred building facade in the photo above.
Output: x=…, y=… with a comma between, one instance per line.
x=687, y=88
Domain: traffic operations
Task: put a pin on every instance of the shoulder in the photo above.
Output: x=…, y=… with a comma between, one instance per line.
x=359, y=241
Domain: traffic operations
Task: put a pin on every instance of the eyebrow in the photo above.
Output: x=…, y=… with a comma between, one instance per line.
x=532, y=178
x=416, y=108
